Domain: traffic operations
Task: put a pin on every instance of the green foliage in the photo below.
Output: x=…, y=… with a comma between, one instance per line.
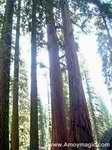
x=66, y=97
x=41, y=124
x=24, y=108
x=40, y=22
x=101, y=118
x=104, y=39
x=24, y=114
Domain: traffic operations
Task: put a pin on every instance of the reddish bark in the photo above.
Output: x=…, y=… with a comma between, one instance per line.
x=34, y=100
x=57, y=98
x=80, y=126
x=5, y=53
x=15, y=114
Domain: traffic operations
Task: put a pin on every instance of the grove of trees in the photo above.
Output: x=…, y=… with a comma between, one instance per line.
x=75, y=113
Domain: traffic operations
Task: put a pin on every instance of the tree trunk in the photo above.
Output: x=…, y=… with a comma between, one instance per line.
x=80, y=126
x=57, y=98
x=5, y=53
x=33, y=113
x=15, y=115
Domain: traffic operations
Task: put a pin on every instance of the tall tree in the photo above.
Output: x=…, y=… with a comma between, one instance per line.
x=15, y=115
x=33, y=113
x=91, y=105
x=5, y=53
x=59, y=134
x=80, y=126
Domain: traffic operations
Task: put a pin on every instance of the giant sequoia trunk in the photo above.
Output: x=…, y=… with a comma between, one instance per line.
x=33, y=113
x=57, y=98
x=80, y=127
x=5, y=52
x=15, y=115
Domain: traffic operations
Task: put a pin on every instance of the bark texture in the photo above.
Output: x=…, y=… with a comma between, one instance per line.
x=59, y=134
x=34, y=113
x=5, y=53
x=15, y=115
x=80, y=126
